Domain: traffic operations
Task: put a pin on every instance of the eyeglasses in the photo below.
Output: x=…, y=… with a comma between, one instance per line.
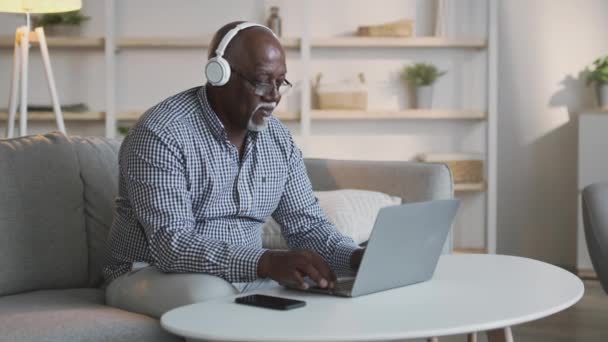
x=265, y=89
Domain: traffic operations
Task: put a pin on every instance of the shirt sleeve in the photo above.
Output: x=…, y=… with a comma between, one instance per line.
x=154, y=168
x=303, y=223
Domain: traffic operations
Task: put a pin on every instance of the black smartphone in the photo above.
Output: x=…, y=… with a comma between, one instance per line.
x=270, y=302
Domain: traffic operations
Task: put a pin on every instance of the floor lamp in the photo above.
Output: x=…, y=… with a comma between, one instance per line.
x=23, y=36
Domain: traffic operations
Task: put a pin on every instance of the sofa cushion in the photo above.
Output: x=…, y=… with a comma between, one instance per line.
x=43, y=242
x=98, y=159
x=352, y=211
x=73, y=315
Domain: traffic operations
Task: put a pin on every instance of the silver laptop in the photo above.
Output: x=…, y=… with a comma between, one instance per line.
x=403, y=249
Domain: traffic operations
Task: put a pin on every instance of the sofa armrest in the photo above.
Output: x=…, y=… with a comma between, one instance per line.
x=412, y=181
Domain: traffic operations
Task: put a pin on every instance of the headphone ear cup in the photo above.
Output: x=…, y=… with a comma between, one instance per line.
x=217, y=71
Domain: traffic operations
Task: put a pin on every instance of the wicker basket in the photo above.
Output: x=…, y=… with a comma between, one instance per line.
x=342, y=100
x=465, y=168
x=466, y=171
x=349, y=96
x=401, y=28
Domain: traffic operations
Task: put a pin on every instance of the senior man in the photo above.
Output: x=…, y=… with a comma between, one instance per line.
x=201, y=172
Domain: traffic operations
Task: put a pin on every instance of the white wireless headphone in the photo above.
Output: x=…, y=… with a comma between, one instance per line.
x=217, y=69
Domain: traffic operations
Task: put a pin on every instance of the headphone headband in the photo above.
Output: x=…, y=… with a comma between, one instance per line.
x=221, y=48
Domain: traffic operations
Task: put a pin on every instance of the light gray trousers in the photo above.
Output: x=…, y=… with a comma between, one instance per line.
x=151, y=292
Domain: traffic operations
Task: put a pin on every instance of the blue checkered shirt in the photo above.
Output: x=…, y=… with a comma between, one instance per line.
x=188, y=203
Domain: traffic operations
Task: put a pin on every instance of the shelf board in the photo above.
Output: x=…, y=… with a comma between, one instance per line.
x=184, y=42
x=412, y=42
x=470, y=187
x=594, y=111
x=424, y=114
x=129, y=115
x=60, y=42
x=135, y=42
x=134, y=116
x=282, y=115
x=587, y=274
x=471, y=250
x=287, y=42
x=287, y=116
x=67, y=116
x=163, y=42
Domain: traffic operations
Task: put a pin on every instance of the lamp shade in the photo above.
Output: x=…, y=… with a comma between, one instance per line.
x=39, y=6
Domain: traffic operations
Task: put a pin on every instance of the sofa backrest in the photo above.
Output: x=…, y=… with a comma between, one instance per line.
x=57, y=198
x=98, y=165
x=42, y=222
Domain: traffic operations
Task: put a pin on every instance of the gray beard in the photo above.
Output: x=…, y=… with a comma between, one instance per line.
x=252, y=126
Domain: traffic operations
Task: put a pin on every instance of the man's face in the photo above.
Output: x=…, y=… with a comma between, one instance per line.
x=251, y=80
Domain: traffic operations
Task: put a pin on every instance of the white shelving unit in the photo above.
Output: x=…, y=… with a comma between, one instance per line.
x=304, y=120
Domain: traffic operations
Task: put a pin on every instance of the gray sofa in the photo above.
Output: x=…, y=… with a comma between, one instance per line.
x=55, y=211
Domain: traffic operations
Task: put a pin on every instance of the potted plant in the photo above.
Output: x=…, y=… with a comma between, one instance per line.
x=599, y=76
x=420, y=78
x=64, y=24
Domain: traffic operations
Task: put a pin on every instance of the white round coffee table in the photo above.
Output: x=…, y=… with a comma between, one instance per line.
x=468, y=293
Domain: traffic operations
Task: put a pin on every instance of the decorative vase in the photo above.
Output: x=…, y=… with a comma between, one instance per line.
x=601, y=90
x=424, y=97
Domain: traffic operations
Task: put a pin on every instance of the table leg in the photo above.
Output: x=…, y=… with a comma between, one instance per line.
x=472, y=337
x=500, y=335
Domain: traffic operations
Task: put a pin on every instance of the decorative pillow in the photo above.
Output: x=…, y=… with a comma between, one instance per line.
x=353, y=212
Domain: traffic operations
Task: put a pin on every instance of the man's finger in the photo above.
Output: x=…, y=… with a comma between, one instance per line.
x=299, y=280
x=314, y=274
x=319, y=263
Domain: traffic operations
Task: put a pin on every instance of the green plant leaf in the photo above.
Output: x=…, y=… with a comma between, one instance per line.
x=421, y=74
x=66, y=18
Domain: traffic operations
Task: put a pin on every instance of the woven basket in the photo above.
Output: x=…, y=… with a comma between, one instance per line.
x=345, y=95
x=342, y=100
x=401, y=28
x=465, y=168
x=466, y=171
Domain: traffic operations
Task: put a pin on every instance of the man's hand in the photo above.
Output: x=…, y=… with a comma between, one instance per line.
x=355, y=258
x=290, y=267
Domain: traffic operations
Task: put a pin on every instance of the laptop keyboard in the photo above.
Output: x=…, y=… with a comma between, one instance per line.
x=341, y=285
x=344, y=285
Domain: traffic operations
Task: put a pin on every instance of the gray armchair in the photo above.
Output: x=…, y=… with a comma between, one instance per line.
x=595, y=219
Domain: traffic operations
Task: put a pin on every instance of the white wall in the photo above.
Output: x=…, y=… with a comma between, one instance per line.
x=544, y=45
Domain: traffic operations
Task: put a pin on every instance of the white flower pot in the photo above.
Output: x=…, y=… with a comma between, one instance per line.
x=424, y=97
x=602, y=94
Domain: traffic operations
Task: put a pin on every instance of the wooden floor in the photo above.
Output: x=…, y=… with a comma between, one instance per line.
x=587, y=321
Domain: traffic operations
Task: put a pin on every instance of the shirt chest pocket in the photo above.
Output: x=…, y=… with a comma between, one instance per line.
x=269, y=188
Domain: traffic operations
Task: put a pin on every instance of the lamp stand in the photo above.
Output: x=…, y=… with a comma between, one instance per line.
x=23, y=37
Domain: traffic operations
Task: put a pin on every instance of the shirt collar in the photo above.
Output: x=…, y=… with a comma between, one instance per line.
x=212, y=119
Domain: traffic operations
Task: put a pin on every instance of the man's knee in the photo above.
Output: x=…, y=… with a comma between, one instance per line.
x=152, y=292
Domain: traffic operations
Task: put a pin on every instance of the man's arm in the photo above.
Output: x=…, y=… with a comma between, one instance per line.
x=153, y=167
x=304, y=224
